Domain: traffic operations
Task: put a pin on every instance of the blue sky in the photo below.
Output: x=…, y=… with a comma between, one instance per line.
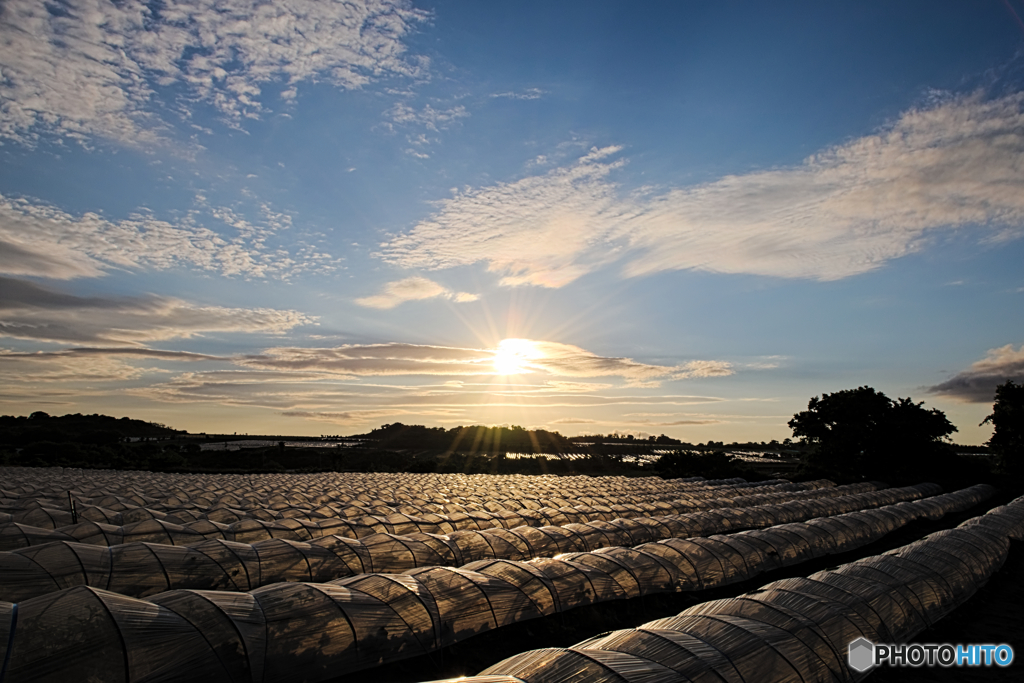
x=684, y=218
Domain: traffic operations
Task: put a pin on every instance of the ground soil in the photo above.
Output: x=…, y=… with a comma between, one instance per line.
x=993, y=615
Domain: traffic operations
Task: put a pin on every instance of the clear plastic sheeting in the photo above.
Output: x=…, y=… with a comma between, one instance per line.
x=307, y=507
x=558, y=665
x=797, y=630
x=145, y=568
x=306, y=631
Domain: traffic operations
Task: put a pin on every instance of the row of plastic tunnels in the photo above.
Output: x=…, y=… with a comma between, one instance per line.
x=305, y=631
x=139, y=569
x=797, y=630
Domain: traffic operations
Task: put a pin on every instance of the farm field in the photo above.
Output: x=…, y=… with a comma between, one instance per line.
x=138, y=576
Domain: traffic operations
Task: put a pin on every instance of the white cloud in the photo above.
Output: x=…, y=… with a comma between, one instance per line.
x=40, y=240
x=670, y=423
x=543, y=230
x=30, y=369
x=977, y=384
x=364, y=416
x=550, y=358
x=704, y=368
x=97, y=68
x=848, y=210
x=412, y=289
x=28, y=311
x=427, y=117
x=377, y=359
x=528, y=94
x=312, y=391
x=567, y=360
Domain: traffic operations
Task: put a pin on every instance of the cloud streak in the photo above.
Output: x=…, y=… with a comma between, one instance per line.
x=96, y=68
x=412, y=289
x=977, y=384
x=29, y=311
x=848, y=210
x=550, y=358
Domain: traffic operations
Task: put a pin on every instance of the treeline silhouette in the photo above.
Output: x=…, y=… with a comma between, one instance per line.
x=847, y=436
x=474, y=439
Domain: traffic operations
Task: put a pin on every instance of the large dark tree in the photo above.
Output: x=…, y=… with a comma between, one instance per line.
x=862, y=433
x=1007, y=417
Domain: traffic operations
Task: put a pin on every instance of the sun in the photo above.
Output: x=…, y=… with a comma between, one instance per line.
x=512, y=357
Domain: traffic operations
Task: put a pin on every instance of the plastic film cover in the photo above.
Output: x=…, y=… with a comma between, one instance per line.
x=791, y=547
x=136, y=570
x=8, y=622
x=807, y=664
x=37, y=570
x=309, y=636
x=688, y=574
x=931, y=588
x=627, y=581
x=506, y=545
x=741, y=642
x=962, y=576
x=984, y=548
x=816, y=655
x=730, y=557
x=653, y=573
x=613, y=534
x=350, y=551
x=509, y=604
x=232, y=624
x=631, y=667
x=473, y=545
x=634, y=532
x=62, y=630
x=883, y=613
x=410, y=599
x=566, y=540
x=395, y=553
x=95, y=533
x=528, y=578
x=14, y=536
x=462, y=604
x=909, y=597
x=540, y=543
x=690, y=658
x=578, y=584
x=554, y=665
x=281, y=560
x=481, y=679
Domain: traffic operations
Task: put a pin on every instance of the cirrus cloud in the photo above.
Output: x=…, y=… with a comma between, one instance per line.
x=40, y=240
x=96, y=68
x=848, y=210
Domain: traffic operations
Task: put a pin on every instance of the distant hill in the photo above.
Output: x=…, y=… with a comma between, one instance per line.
x=20, y=431
x=475, y=439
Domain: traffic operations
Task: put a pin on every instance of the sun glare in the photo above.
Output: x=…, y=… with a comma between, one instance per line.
x=513, y=355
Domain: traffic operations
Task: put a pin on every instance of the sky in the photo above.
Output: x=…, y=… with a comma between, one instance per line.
x=316, y=217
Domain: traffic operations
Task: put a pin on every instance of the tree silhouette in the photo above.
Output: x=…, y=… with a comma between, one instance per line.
x=863, y=434
x=1007, y=417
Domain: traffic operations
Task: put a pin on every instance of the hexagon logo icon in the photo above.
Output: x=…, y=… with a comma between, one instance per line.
x=861, y=655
